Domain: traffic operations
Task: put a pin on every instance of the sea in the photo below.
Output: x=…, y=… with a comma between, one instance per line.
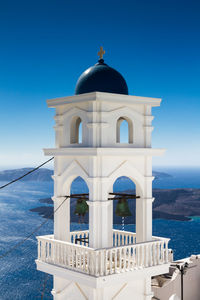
x=19, y=278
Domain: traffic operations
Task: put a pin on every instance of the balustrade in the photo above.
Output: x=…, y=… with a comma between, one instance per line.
x=125, y=255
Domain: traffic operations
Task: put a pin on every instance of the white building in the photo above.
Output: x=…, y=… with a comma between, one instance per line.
x=114, y=264
x=182, y=281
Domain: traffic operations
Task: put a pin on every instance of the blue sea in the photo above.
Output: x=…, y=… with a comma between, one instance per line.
x=19, y=278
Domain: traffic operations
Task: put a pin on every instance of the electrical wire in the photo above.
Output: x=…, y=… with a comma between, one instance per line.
x=3, y=186
x=44, y=286
x=32, y=233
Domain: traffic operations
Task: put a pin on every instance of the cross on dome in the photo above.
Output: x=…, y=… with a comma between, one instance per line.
x=101, y=52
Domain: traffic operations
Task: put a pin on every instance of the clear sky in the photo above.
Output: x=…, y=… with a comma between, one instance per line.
x=46, y=45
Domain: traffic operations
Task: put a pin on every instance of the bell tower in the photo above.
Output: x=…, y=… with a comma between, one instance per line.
x=102, y=263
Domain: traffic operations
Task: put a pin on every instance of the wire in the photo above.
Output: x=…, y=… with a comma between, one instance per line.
x=3, y=186
x=44, y=286
x=32, y=233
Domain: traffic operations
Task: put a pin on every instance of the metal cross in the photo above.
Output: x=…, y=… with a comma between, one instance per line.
x=101, y=53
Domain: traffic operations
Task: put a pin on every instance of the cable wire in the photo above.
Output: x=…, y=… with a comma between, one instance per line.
x=3, y=186
x=32, y=233
x=44, y=286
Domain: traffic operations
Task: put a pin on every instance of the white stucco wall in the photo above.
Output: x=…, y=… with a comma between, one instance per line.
x=191, y=282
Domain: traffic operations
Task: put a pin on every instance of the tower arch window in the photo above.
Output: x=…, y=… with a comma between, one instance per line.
x=76, y=130
x=124, y=132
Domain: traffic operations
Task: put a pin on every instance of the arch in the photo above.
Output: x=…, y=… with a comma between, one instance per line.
x=71, y=172
x=124, y=209
x=76, y=130
x=129, y=130
x=79, y=208
x=128, y=170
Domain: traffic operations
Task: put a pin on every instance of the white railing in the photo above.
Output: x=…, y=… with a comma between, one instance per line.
x=101, y=262
x=76, y=237
x=120, y=238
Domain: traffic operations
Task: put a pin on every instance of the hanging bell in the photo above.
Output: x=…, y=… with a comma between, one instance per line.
x=122, y=209
x=81, y=207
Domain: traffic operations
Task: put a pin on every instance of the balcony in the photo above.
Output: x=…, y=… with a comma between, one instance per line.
x=125, y=255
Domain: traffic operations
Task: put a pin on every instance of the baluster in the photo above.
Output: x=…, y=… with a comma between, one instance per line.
x=166, y=251
x=97, y=263
x=110, y=265
x=133, y=257
x=154, y=254
x=84, y=258
x=60, y=253
x=91, y=263
x=42, y=252
x=66, y=255
x=124, y=257
x=87, y=262
x=146, y=256
x=101, y=262
x=150, y=253
x=128, y=258
x=136, y=255
x=162, y=252
x=120, y=259
x=115, y=260
x=72, y=256
x=54, y=252
x=80, y=259
x=49, y=251
x=76, y=258
x=57, y=252
x=106, y=260
x=39, y=249
x=142, y=255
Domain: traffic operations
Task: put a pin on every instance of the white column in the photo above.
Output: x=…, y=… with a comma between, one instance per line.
x=100, y=224
x=144, y=219
x=100, y=208
x=61, y=218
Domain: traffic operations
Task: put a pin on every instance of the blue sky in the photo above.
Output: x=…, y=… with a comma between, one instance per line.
x=46, y=45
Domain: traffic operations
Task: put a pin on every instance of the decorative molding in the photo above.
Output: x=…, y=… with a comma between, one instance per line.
x=89, y=151
x=104, y=97
x=119, y=291
x=102, y=124
x=81, y=291
x=119, y=166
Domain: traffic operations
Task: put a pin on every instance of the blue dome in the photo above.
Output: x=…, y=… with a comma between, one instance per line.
x=101, y=78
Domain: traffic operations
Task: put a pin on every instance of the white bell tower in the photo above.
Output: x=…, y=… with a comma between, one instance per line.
x=114, y=264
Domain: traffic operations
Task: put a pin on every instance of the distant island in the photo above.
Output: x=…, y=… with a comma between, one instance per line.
x=45, y=174
x=171, y=204
x=42, y=174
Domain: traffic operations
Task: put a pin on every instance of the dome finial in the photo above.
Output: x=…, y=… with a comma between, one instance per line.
x=101, y=53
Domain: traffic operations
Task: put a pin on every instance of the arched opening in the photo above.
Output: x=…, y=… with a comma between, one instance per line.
x=76, y=131
x=124, y=130
x=79, y=210
x=124, y=207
